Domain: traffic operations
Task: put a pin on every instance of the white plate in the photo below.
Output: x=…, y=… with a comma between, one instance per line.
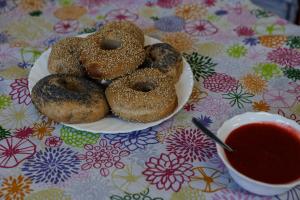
x=184, y=89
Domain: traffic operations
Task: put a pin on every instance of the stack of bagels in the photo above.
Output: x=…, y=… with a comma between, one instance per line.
x=109, y=70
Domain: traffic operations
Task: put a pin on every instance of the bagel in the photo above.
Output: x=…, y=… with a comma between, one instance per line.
x=69, y=99
x=126, y=26
x=64, y=57
x=165, y=58
x=144, y=96
x=111, y=54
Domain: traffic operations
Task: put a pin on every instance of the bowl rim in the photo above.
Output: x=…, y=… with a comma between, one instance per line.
x=221, y=152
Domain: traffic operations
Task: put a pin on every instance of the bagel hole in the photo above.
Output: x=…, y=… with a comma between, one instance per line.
x=143, y=86
x=108, y=44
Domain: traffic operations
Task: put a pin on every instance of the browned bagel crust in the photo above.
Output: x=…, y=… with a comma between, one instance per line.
x=64, y=57
x=69, y=99
x=126, y=26
x=146, y=95
x=105, y=63
x=165, y=58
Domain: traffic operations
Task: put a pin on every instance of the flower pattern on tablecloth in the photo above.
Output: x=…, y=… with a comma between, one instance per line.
x=6, y=52
x=168, y=3
x=208, y=179
x=205, y=120
x=169, y=24
x=15, y=150
x=220, y=83
x=202, y=66
x=66, y=26
x=49, y=194
x=279, y=98
x=24, y=132
x=291, y=116
x=191, y=144
x=51, y=41
x=77, y=138
x=191, y=11
x=32, y=5
x=42, y=129
x=293, y=42
x=168, y=171
x=135, y=140
x=53, y=165
x=53, y=141
x=120, y=15
x=236, y=51
x=7, y=5
x=267, y=70
x=210, y=49
x=252, y=41
x=261, y=106
x=129, y=179
x=243, y=59
x=272, y=41
x=17, y=116
x=92, y=3
x=4, y=133
x=239, y=97
x=15, y=188
x=200, y=28
x=253, y=83
x=293, y=194
x=141, y=195
x=20, y=91
x=291, y=73
x=5, y=101
x=103, y=157
x=244, y=31
x=285, y=57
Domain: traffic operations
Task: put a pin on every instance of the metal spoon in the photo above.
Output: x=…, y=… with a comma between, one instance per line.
x=210, y=134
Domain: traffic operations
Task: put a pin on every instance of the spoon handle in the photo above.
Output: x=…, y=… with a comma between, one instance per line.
x=210, y=134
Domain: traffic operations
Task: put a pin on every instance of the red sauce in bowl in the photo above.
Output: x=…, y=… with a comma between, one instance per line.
x=267, y=152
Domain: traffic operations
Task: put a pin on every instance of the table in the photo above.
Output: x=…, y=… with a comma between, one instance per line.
x=243, y=59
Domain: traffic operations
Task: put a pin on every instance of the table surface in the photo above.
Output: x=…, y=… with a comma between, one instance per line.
x=243, y=59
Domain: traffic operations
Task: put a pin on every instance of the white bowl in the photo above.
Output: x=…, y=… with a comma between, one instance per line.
x=247, y=183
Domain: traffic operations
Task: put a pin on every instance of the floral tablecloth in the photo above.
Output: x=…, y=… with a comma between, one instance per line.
x=243, y=59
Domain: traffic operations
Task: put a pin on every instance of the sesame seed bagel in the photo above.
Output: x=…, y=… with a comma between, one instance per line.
x=165, y=58
x=69, y=99
x=144, y=96
x=111, y=54
x=64, y=57
x=126, y=26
